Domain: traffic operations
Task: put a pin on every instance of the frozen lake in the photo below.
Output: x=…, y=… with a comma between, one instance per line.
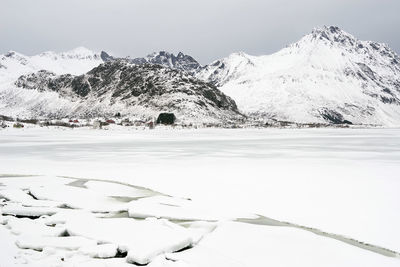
x=340, y=181
x=265, y=144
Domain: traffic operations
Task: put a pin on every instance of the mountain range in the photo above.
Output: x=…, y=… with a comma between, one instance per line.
x=329, y=76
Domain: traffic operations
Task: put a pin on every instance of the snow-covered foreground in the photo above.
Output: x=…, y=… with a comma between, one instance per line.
x=209, y=197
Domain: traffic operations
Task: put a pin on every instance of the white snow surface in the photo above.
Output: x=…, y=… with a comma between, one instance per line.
x=180, y=209
x=235, y=244
x=34, y=227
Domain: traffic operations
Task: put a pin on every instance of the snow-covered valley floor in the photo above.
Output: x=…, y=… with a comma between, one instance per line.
x=205, y=197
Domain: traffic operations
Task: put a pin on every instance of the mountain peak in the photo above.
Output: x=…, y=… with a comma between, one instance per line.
x=328, y=29
x=13, y=54
x=180, y=61
x=80, y=53
x=180, y=55
x=334, y=36
x=81, y=50
x=106, y=57
x=239, y=54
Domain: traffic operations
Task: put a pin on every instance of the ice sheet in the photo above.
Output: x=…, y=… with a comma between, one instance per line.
x=236, y=244
x=342, y=181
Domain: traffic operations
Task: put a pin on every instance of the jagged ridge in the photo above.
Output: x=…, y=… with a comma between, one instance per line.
x=180, y=61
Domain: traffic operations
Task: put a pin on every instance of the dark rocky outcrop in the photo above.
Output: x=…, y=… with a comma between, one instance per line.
x=333, y=117
x=166, y=118
x=106, y=57
x=179, y=61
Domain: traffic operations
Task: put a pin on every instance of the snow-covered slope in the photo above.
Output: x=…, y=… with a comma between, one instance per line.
x=328, y=75
x=118, y=86
x=76, y=61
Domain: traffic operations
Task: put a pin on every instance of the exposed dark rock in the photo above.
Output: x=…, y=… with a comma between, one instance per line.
x=333, y=117
x=106, y=57
x=30, y=121
x=6, y=118
x=367, y=71
x=121, y=254
x=166, y=118
x=388, y=100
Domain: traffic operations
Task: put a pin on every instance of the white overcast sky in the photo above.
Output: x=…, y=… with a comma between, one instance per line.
x=206, y=29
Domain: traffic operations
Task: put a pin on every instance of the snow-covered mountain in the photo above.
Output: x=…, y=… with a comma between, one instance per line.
x=119, y=86
x=328, y=76
x=76, y=61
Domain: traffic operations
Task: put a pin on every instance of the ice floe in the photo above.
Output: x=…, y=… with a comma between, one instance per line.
x=102, y=251
x=41, y=242
x=19, y=210
x=142, y=239
x=117, y=190
x=17, y=195
x=33, y=227
x=79, y=198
